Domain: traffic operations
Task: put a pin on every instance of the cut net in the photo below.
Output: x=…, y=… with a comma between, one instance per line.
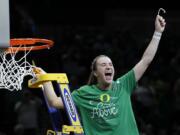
x=13, y=70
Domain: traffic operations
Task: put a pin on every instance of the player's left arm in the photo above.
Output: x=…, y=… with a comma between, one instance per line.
x=151, y=49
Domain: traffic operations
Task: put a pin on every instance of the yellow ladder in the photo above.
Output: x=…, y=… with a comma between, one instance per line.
x=63, y=86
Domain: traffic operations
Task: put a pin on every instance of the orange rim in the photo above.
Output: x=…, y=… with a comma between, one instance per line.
x=25, y=44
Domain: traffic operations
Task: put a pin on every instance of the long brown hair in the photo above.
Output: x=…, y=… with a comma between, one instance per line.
x=93, y=79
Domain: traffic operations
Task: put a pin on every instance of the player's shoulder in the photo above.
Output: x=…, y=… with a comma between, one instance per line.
x=85, y=87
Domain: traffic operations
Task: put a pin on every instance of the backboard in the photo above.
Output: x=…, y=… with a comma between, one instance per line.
x=4, y=24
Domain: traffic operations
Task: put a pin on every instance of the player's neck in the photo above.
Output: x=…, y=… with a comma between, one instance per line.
x=104, y=87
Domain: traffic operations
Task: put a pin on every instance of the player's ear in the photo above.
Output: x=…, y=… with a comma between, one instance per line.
x=95, y=74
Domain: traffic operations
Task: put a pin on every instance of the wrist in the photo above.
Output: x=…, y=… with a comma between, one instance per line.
x=157, y=35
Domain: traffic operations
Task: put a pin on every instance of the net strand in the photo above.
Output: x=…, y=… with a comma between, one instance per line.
x=12, y=71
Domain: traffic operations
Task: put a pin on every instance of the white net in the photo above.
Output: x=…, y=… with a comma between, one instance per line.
x=13, y=70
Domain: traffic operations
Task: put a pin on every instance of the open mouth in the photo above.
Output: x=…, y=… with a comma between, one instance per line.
x=108, y=76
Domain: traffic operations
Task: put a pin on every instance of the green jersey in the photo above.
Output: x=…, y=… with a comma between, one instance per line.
x=107, y=112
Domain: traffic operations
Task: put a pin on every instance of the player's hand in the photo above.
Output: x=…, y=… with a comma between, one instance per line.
x=38, y=71
x=160, y=24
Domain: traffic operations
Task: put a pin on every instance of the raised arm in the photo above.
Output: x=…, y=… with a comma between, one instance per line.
x=50, y=94
x=151, y=50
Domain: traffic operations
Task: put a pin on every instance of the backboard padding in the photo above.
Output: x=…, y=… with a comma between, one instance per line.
x=4, y=24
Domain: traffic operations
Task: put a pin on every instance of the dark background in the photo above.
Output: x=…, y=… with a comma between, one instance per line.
x=83, y=30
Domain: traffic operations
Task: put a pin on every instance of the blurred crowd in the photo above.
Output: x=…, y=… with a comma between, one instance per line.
x=156, y=99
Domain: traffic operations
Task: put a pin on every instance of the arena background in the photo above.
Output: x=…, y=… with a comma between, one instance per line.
x=80, y=34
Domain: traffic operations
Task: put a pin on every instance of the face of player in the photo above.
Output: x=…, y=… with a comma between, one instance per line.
x=104, y=72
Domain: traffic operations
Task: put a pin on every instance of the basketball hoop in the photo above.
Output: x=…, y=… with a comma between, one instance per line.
x=26, y=44
x=13, y=69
